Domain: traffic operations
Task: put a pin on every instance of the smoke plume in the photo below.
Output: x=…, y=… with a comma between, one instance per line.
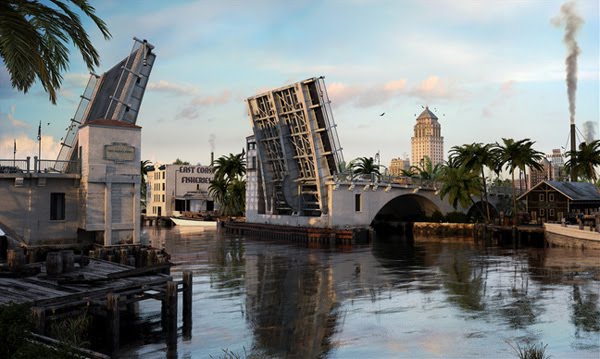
x=572, y=22
x=211, y=141
x=589, y=131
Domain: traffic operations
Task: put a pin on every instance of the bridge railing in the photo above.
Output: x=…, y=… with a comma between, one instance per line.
x=35, y=165
x=385, y=179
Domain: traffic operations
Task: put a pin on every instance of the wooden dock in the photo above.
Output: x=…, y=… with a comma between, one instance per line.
x=306, y=235
x=100, y=288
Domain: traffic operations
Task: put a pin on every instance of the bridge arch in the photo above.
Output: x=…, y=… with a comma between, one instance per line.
x=406, y=208
x=478, y=210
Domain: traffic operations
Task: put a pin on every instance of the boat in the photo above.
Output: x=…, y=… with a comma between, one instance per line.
x=571, y=236
x=194, y=222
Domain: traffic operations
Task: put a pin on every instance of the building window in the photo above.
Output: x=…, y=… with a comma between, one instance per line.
x=542, y=212
x=541, y=197
x=57, y=206
x=163, y=197
x=163, y=175
x=163, y=186
x=551, y=212
x=551, y=197
x=357, y=202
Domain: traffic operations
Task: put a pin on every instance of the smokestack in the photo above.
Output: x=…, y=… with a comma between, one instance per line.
x=212, y=158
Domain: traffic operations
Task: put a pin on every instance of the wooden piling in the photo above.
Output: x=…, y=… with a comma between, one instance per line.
x=112, y=311
x=187, y=304
x=170, y=311
x=39, y=319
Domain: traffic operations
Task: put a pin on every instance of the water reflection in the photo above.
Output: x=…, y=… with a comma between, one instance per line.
x=397, y=297
x=291, y=305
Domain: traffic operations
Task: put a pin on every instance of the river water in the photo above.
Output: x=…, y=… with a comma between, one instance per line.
x=393, y=298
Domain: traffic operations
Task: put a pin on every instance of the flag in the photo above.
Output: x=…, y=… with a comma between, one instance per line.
x=40, y=131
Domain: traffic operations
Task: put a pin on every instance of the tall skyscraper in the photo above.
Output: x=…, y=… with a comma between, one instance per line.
x=427, y=140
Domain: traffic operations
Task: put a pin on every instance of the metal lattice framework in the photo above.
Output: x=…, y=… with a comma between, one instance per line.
x=116, y=95
x=297, y=146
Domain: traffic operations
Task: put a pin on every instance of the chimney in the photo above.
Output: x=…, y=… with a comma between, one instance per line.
x=212, y=158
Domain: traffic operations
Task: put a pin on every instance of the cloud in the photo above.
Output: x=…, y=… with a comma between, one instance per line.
x=27, y=146
x=432, y=88
x=435, y=88
x=505, y=92
x=172, y=88
x=187, y=113
x=194, y=108
x=219, y=99
x=364, y=96
x=10, y=126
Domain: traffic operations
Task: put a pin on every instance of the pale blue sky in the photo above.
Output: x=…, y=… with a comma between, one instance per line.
x=491, y=69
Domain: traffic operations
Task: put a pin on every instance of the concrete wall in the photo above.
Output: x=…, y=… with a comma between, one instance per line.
x=25, y=208
x=110, y=188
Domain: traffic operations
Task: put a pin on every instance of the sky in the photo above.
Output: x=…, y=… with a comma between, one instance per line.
x=488, y=69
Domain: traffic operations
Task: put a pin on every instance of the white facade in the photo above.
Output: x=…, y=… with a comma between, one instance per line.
x=110, y=181
x=173, y=189
x=427, y=140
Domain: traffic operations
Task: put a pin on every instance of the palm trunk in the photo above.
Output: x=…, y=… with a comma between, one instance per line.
x=515, y=216
x=485, y=195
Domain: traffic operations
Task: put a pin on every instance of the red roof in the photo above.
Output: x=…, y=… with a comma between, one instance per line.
x=111, y=123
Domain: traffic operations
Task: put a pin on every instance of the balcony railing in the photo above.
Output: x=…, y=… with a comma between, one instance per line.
x=36, y=165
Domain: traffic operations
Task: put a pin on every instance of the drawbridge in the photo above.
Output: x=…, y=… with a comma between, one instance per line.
x=115, y=95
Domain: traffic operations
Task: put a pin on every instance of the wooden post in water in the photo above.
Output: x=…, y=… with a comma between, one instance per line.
x=39, y=319
x=171, y=304
x=112, y=311
x=187, y=304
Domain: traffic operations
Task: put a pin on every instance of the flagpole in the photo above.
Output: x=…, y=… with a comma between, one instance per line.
x=39, y=144
x=15, y=153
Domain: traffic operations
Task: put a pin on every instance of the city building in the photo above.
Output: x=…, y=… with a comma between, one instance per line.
x=173, y=189
x=537, y=176
x=397, y=165
x=557, y=160
x=427, y=140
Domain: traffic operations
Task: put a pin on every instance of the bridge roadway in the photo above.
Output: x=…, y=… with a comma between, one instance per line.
x=356, y=202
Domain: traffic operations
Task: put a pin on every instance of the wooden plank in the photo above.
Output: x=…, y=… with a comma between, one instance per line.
x=139, y=271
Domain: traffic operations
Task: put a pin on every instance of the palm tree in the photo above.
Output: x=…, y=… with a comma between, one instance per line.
x=426, y=170
x=476, y=157
x=228, y=186
x=35, y=40
x=230, y=166
x=460, y=184
x=365, y=166
x=585, y=161
x=516, y=154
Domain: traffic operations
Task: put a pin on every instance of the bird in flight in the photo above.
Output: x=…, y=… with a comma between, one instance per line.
x=383, y=113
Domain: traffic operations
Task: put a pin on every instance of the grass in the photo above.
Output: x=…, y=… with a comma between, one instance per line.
x=531, y=351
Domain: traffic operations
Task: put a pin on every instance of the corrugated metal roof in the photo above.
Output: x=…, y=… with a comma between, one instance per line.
x=427, y=114
x=576, y=191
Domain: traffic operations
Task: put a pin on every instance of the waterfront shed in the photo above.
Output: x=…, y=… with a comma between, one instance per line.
x=551, y=201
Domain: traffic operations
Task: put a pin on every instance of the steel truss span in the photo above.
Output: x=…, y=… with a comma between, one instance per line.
x=297, y=146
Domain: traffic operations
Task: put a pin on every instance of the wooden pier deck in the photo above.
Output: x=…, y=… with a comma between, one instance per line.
x=100, y=288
